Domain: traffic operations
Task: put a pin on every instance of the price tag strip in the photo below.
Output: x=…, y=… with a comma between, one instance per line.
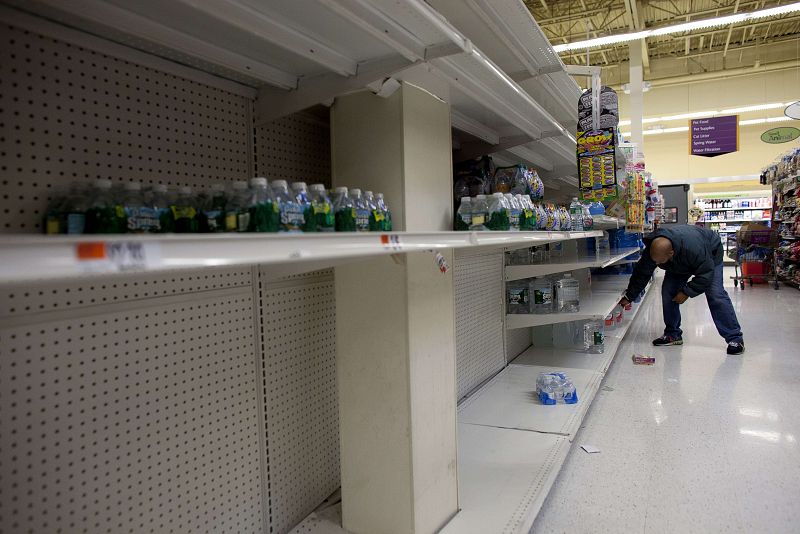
x=117, y=256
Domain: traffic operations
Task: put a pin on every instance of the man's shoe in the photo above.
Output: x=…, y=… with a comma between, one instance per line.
x=664, y=341
x=734, y=347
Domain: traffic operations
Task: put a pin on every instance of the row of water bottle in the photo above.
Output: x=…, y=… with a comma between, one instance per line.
x=257, y=206
x=507, y=212
x=544, y=294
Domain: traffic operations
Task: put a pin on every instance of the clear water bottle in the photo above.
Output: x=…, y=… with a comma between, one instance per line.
x=184, y=212
x=499, y=219
x=567, y=336
x=263, y=208
x=618, y=313
x=141, y=217
x=464, y=215
x=593, y=337
x=237, y=212
x=387, y=213
x=344, y=210
x=74, y=209
x=520, y=256
x=102, y=215
x=362, y=210
x=212, y=212
x=517, y=296
x=568, y=294
x=322, y=209
x=604, y=243
x=480, y=213
x=375, y=214
x=303, y=198
x=588, y=220
x=542, y=295
x=292, y=219
x=576, y=215
x=514, y=212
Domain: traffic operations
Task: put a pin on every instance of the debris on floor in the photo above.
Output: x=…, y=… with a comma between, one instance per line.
x=641, y=359
x=591, y=449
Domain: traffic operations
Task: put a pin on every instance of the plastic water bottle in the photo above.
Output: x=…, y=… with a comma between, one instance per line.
x=211, y=217
x=527, y=219
x=344, y=210
x=618, y=313
x=480, y=213
x=387, y=213
x=141, y=217
x=588, y=220
x=593, y=337
x=303, y=198
x=292, y=219
x=464, y=215
x=542, y=300
x=576, y=215
x=263, y=208
x=499, y=213
x=362, y=210
x=102, y=215
x=567, y=336
x=517, y=300
x=604, y=243
x=237, y=210
x=375, y=215
x=514, y=212
x=568, y=294
x=322, y=209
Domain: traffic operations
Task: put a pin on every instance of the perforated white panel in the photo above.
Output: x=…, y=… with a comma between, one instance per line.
x=139, y=416
x=48, y=296
x=72, y=114
x=479, y=319
x=296, y=148
x=517, y=341
x=298, y=340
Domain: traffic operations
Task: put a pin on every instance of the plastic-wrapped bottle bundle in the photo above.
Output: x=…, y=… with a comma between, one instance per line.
x=552, y=388
x=567, y=294
x=322, y=209
x=517, y=299
x=480, y=213
x=593, y=337
x=499, y=219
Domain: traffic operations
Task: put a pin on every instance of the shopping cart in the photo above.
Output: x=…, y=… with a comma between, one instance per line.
x=754, y=252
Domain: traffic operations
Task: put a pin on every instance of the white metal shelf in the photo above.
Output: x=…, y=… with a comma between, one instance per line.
x=511, y=447
x=27, y=258
x=606, y=222
x=598, y=301
x=519, y=272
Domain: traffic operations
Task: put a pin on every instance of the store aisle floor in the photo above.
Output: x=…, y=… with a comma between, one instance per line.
x=699, y=442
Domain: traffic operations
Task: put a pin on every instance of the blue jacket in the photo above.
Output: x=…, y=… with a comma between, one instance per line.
x=698, y=251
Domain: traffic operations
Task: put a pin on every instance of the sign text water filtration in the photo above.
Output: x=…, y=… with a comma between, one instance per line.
x=714, y=136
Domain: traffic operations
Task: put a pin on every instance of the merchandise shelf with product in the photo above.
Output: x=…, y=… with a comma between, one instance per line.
x=511, y=447
x=518, y=272
x=784, y=176
x=259, y=347
x=595, y=302
x=29, y=258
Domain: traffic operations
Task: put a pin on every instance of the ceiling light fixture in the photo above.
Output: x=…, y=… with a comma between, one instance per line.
x=680, y=28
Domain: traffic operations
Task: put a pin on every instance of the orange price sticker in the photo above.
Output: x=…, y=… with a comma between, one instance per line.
x=91, y=251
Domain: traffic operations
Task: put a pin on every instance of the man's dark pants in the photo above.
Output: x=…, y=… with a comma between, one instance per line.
x=718, y=302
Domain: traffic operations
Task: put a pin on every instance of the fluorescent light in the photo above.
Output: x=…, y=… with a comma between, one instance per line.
x=760, y=107
x=680, y=28
x=624, y=123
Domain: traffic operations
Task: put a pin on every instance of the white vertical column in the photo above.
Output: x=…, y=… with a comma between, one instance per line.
x=395, y=321
x=637, y=98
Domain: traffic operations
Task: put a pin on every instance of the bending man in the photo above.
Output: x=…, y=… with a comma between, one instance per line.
x=692, y=258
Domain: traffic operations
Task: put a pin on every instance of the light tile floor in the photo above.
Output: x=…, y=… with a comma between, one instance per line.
x=699, y=442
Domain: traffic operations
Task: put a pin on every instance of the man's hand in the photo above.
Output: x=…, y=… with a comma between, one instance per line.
x=624, y=302
x=681, y=297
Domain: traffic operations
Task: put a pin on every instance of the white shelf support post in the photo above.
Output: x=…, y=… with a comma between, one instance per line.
x=395, y=321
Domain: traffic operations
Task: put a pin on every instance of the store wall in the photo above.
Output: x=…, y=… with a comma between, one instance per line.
x=667, y=155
